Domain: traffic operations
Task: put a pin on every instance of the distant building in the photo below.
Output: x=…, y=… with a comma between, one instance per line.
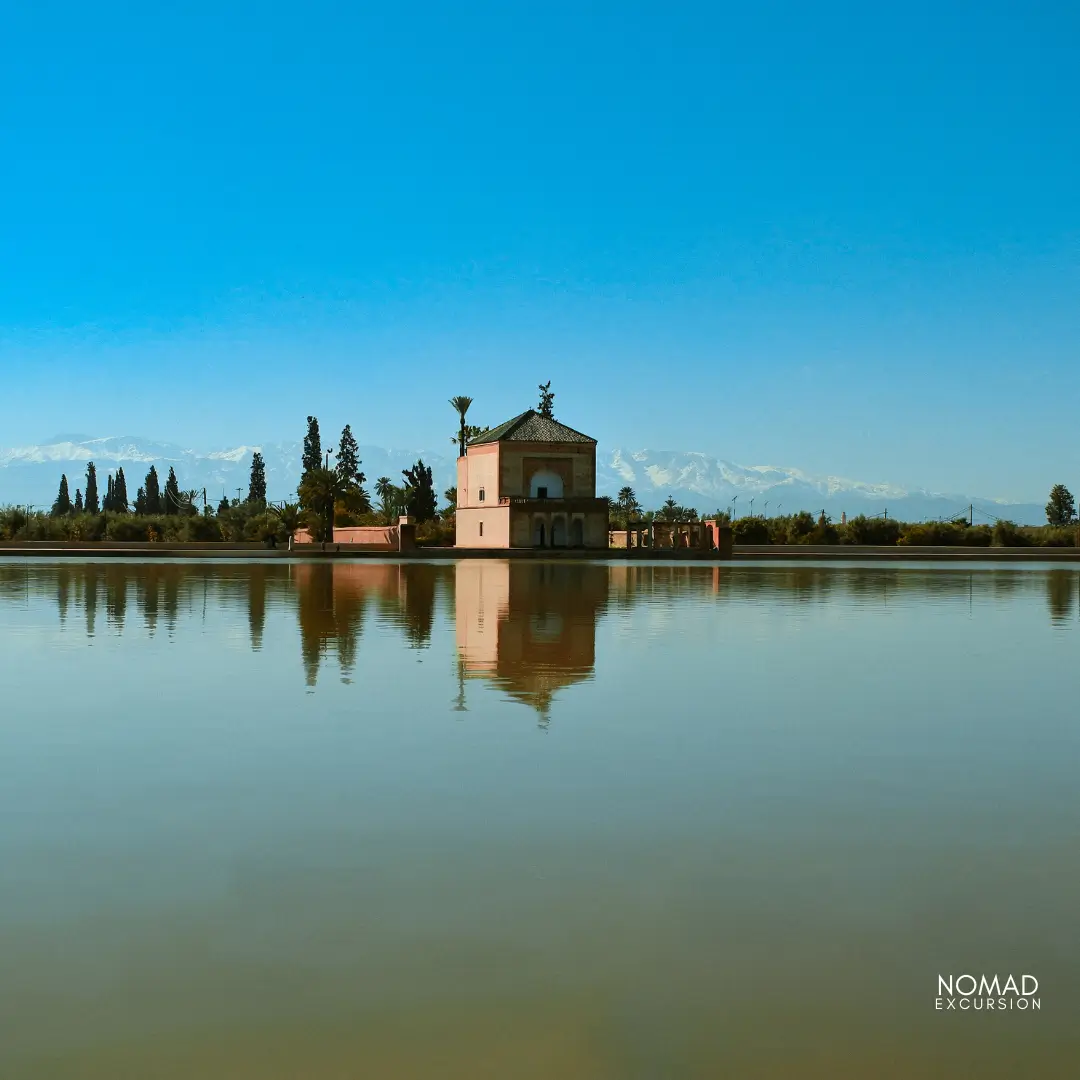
x=530, y=482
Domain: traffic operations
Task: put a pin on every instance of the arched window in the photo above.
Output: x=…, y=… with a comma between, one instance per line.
x=545, y=484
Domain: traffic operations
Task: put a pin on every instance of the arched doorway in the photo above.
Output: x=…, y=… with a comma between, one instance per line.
x=538, y=533
x=545, y=484
x=558, y=532
x=577, y=533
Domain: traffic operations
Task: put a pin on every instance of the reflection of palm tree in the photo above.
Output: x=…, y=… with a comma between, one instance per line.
x=461, y=403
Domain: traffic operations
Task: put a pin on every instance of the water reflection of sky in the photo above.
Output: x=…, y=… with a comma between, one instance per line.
x=640, y=782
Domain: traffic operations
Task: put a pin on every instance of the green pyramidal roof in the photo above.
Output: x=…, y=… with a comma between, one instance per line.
x=530, y=426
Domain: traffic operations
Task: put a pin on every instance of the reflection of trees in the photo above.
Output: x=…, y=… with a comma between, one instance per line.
x=116, y=589
x=332, y=599
x=256, y=598
x=1061, y=595
x=418, y=607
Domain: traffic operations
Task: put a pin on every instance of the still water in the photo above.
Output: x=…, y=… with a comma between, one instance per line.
x=485, y=819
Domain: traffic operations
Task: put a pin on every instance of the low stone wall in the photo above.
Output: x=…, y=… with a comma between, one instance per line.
x=373, y=537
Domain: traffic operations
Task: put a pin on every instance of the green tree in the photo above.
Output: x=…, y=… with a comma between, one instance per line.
x=62, y=507
x=1061, y=508
x=78, y=507
x=257, y=482
x=627, y=502
x=223, y=505
x=140, y=501
x=450, y=495
x=152, y=489
x=90, y=499
x=547, y=401
x=120, y=494
x=313, y=457
x=461, y=403
x=291, y=517
x=171, y=496
x=347, y=467
x=419, y=491
x=348, y=458
x=321, y=492
x=107, y=502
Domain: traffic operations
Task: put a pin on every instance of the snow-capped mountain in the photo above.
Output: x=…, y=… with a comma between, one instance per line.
x=31, y=474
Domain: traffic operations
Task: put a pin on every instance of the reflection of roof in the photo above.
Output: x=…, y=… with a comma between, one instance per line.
x=530, y=426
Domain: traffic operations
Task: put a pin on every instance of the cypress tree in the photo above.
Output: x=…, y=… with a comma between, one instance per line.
x=348, y=459
x=140, y=501
x=313, y=458
x=153, y=492
x=257, y=483
x=172, y=493
x=90, y=499
x=62, y=506
x=223, y=505
x=78, y=501
x=107, y=502
x=120, y=495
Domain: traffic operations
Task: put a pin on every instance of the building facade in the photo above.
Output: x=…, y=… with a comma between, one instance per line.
x=530, y=482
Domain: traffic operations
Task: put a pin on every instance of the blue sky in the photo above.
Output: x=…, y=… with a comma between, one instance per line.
x=839, y=237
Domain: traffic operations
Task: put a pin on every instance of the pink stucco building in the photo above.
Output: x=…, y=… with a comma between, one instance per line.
x=530, y=482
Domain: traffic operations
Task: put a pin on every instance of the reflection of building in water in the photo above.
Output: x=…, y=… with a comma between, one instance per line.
x=528, y=628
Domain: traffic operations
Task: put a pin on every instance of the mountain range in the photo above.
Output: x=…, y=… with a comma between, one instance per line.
x=31, y=474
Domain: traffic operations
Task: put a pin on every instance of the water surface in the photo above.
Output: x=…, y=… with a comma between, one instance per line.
x=569, y=820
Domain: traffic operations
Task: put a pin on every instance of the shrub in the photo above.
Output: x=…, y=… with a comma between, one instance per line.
x=202, y=529
x=932, y=534
x=129, y=528
x=1008, y=534
x=751, y=530
x=864, y=530
x=435, y=534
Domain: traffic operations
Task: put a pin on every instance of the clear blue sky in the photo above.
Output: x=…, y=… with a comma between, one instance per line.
x=840, y=237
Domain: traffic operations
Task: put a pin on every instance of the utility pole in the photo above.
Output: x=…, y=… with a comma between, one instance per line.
x=238, y=490
x=971, y=515
x=886, y=513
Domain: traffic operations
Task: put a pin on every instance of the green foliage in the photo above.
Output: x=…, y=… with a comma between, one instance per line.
x=321, y=491
x=1008, y=534
x=419, y=492
x=130, y=528
x=120, y=493
x=672, y=511
x=348, y=463
x=91, y=503
x=461, y=404
x=313, y=456
x=257, y=480
x=171, y=503
x=151, y=493
x=290, y=517
x=1061, y=509
x=547, y=401
x=62, y=507
x=933, y=534
x=751, y=530
x=78, y=507
x=863, y=530
x=450, y=495
x=435, y=534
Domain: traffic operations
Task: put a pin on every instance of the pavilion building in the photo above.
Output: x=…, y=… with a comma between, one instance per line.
x=530, y=482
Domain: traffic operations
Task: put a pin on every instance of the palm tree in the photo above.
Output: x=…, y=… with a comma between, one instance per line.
x=290, y=515
x=628, y=502
x=461, y=403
